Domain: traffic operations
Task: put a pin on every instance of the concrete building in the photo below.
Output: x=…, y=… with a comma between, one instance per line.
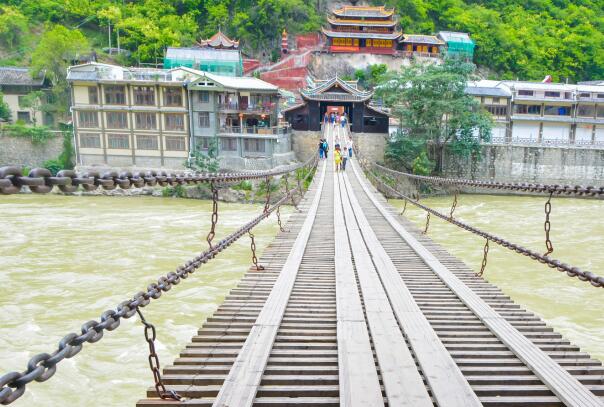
x=156, y=118
x=547, y=113
x=243, y=113
x=15, y=84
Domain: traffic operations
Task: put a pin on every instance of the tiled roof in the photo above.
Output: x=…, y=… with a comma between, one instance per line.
x=450, y=36
x=20, y=76
x=383, y=36
x=366, y=23
x=219, y=40
x=363, y=11
x=421, y=39
x=347, y=93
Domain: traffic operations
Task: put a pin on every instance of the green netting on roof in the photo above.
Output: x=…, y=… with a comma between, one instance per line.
x=458, y=44
x=221, y=62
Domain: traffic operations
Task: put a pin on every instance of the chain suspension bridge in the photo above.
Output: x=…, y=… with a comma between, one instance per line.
x=350, y=305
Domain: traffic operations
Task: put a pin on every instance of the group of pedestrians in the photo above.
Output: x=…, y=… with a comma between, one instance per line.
x=335, y=119
x=342, y=152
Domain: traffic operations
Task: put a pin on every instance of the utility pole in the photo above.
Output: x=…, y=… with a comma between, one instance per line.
x=109, y=31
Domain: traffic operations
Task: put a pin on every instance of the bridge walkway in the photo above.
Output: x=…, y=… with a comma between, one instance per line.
x=355, y=307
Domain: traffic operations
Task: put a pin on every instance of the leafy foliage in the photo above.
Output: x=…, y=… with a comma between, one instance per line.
x=435, y=112
x=13, y=25
x=5, y=113
x=205, y=162
x=37, y=134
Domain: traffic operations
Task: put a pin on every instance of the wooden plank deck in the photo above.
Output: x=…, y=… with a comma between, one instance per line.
x=421, y=308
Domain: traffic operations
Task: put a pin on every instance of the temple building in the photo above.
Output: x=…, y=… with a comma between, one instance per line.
x=362, y=29
x=336, y=95
x=218, y=54
x=421, y=45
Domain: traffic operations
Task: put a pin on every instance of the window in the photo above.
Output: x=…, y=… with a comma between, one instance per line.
x=93, y=95
x=173, y=96
x=526, y=93
x=144, y=95
x=228, y=144
x=175, y=144
x=117, y=120
x=145, y=121
x=586, y=110
x=495, y=100
x=600, y=111
x=118, y=141
x=175, y=122
x=254, y=145
x=568, y=95
x=90, y=140
x=115, y=95
x=497, y=110
x=556, y=110
x=584, y=95
x=552, y=94
x=146, y=142
x=48, y=119
x=88, y=119
x=369, y=121
x=22, y=101
x=204, y=143
x=527, y=109
x=204, y=119
x=24, y=117
x=600, y=96
x=204, y=96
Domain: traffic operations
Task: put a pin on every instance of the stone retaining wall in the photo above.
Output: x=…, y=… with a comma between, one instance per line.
x=20, y=151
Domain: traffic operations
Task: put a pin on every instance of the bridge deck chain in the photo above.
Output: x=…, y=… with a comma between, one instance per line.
x=302, y=366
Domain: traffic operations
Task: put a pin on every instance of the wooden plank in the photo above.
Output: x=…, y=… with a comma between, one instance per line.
x=447, y=383
x=241, y=384
x=359, y=382
x=570, y=391
x=402, y=382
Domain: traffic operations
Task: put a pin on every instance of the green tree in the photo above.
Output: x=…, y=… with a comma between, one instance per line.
x=208, y=161
x=57, y=49
x=34, y=102
x=13, y=25
x=5, y=113
x=435, y=112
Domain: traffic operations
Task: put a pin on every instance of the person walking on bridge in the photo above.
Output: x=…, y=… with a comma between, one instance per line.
x=321, y=150
x=349, y=147
x=337, y=156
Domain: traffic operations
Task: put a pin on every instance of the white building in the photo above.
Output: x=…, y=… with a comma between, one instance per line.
x=547, y=113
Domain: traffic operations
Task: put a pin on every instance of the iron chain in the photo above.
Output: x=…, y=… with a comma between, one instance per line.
x=212, y=232
x=427, y=223
x=254, y=257
x=453, y=205
x=547, y=226
x=484, y=258
x=41, y=367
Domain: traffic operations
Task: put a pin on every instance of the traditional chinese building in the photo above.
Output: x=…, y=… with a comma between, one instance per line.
x=336, y=95
x=362, y=29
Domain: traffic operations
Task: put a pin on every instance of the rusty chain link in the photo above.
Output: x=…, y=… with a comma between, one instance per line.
x=404, y=207
x=212, y=232
x=484, y=258
x=253, y=248
x=279, y=221
x=427, y=223
x=43, y=366
x=547, y=226
x=268, y=193
x=40, y=180
x=453, y=205
x=510, y=186
x=286, y=180
x=150, y=336
x=571, y=271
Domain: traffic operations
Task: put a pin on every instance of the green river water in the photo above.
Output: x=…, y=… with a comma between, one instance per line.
x=64, y=260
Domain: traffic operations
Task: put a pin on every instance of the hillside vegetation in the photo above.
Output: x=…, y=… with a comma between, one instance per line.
x=515, y=38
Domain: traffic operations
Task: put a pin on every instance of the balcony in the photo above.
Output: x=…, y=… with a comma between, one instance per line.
x=266, y=108
x=418, y=54
x=247, y=131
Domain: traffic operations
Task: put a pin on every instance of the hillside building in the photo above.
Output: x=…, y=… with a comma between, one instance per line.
x=15, y=84
x=156, y=118
x=338, y=95
x=458, y=45
x=546, y=113
x=362, y=29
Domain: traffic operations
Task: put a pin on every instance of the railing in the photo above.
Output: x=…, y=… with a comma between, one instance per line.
x=254, y=130
x=409, y=54
x=240, y=107
x=43, y=366
x=546, y=142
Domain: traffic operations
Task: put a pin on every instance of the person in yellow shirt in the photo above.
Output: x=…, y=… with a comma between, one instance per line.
x=337, y=155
